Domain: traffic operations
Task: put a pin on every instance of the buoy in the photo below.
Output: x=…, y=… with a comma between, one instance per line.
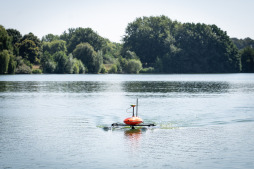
x=133, y=120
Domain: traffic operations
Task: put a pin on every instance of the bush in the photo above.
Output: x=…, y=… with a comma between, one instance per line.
x=107, y=59
x=4, y=61
x=98, y=61
x=103, y=69
x=113, y=69
x=61, y=62
x=12, y=65
x=23, y=69
x=85, y=52
x=134, y=66
x=247, y=58
x=49, y=67
x=82, y=68
x=122, y=64
x=147, y=70
x=37, y=71
x=78, y=66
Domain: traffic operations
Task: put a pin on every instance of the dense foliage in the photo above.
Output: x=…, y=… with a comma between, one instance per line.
x=247, y=60
x=246, y=52
x=158, y=44
x=173, y=47
x=149, y=38
x=243, y=43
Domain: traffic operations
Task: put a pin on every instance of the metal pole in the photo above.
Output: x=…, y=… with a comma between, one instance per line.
x=137, y=108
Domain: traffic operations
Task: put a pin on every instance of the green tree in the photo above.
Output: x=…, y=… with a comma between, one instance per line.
x=5, y=40
x=149, y=38
x=82, y=35
x=69, y=64
x=15, y=34
x=61, y=60
x=130, y=55
x=29, y=51
x=66, y=36
x=54, y=46
x=81, y=66
x=98, y=61
x=48, y=63
x=85, y=52
x=113, y=69
x=78, y=66
x=247, y=57
x=29, y=48
x=103, y=69
x=12, y=65
x=174, y=47
x=201, y=48
x=22, y=67
x=243, y=43
x=16, y=37
x=50, y=37
x=33, y=38
x=111, y=51
x=49, y=66
x=123, y=63
x=133, y=66
x=4, y=61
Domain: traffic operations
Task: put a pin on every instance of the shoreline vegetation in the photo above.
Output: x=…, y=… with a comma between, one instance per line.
x=154, y=44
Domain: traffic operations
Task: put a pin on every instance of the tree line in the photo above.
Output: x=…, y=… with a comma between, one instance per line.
x=79, y=50
x=168, y=46
x=150, y=45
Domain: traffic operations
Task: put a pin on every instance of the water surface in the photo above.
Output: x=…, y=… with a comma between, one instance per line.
x=56, y=121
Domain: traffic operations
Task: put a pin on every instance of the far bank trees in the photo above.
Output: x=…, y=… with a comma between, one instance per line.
x=150, y=45
x=173, y=47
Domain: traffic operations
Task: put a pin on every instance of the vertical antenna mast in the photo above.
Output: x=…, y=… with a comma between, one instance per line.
x=137, y=108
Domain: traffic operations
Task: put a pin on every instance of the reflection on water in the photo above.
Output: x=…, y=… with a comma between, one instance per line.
x=55, y=87
x=126, y=86
x=133, y=134
x=182, y=87
x=95, y=87
x=133, y=139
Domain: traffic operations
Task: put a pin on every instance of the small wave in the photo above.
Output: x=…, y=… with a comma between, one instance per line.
x=167, y=125
x=228, y=122
x=243, y=120
x=164, y=125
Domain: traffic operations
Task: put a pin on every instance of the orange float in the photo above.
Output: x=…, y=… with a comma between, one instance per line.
x=134, y=120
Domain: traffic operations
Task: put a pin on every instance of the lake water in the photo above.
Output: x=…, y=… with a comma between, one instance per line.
x=57, y=121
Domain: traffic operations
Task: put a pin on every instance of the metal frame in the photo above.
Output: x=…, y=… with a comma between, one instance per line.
x=132, y=126
x=133, y=115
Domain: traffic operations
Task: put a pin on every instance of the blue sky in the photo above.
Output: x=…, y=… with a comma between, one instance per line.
x=109, y=18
